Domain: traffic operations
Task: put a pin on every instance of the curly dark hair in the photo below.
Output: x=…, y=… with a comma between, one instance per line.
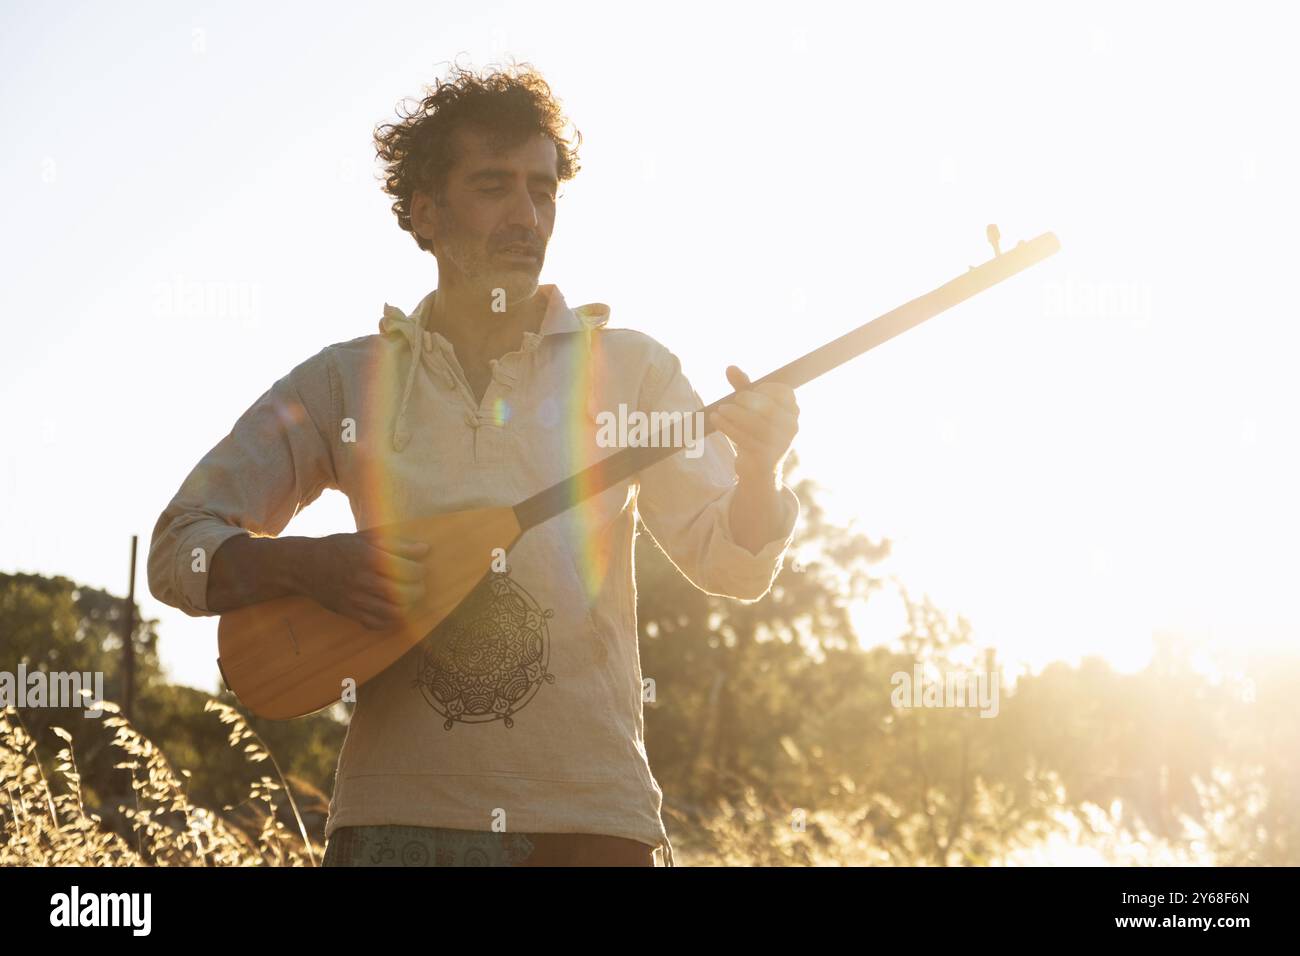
x=509, y=104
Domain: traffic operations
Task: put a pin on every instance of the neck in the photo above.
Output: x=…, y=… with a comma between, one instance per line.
x=465, y=317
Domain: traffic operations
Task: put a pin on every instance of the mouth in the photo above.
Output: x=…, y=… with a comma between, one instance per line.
x=519, y=254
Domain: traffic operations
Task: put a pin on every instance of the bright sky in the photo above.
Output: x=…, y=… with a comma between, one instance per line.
x=1100, y=450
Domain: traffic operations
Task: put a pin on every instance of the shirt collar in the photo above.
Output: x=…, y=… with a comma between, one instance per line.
x=558, y=317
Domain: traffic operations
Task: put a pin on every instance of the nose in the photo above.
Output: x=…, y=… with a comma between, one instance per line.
x=523, y=211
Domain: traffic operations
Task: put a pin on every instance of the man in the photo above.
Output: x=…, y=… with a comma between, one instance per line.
x=514, y=733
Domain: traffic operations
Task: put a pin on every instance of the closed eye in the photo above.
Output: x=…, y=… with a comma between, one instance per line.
x=497, y=190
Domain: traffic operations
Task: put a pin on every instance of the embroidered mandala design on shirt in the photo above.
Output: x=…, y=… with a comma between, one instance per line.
x=487, y=660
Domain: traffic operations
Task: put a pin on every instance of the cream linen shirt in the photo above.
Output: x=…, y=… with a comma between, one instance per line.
x=526, y=714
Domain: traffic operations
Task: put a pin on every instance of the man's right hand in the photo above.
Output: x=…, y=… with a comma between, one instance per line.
x=369, y=578
x=372, y=579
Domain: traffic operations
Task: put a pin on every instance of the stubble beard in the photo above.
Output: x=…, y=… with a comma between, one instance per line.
x=478, y=270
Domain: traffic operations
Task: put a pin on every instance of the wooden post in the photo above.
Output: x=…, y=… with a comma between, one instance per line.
x=128, y=637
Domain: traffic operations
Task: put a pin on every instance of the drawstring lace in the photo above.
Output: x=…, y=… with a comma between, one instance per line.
x=401, y=432
x=395, y=319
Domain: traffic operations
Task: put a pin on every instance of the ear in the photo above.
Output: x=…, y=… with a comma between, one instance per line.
x=424, y=216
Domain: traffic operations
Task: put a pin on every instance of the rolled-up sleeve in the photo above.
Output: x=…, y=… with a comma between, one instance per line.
x=685, y=503
x=275, y=461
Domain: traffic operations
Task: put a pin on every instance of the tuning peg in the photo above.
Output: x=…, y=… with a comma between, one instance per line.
x=994, y=237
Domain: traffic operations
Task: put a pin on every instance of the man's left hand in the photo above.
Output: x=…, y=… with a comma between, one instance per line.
x=761, y=422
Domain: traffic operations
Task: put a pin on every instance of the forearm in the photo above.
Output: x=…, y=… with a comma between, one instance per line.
x=248, y=570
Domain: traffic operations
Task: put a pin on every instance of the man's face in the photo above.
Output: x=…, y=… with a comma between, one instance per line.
x=497, y=217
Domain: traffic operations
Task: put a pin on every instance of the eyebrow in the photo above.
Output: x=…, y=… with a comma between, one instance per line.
x=483, y=175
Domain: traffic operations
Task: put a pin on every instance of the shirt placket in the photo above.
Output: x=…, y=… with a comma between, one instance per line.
x=489, y=418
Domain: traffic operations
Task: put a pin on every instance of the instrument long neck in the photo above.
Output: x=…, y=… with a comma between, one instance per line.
x=624, y=464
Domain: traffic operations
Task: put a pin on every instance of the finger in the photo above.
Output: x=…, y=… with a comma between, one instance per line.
x=718, y=421
x=382, y=614
x=750, y=405
x=404, y=595
x=768, y=400
x=394, y=568
x=720, y=415
x=402, y=547
x=726, y=412
x=767, y=425
x=744, y=434
x=738, y=379
x=392, y=592
x=755, y=402
x=781, y=394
